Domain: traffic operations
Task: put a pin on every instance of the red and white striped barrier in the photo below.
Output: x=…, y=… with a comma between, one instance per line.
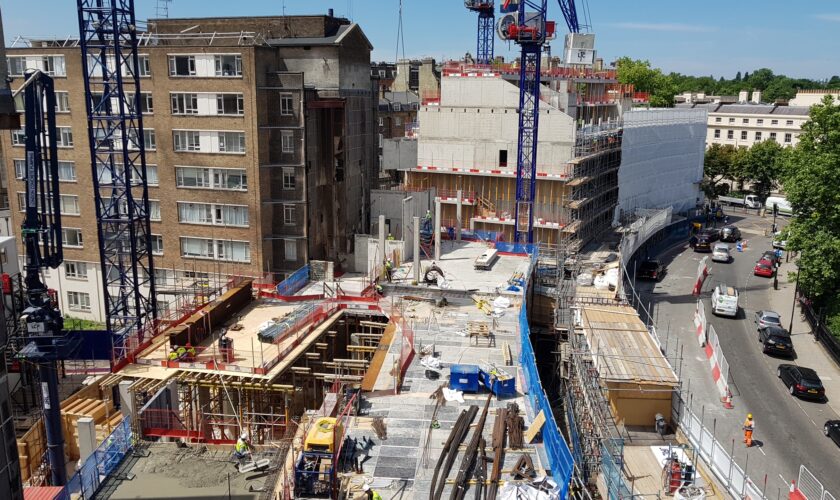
x=702, y=272
x=719, y=367
x=700, y=323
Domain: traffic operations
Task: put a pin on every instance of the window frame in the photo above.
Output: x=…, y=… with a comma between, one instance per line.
x=287, y=104
x=79, y=303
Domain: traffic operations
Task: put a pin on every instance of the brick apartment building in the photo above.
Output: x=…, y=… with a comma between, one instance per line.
x=261, y=143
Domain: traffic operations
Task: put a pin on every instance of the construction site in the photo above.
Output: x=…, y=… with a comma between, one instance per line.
x=494, y=349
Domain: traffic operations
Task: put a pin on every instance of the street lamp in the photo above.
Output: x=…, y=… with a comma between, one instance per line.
x=793, y=306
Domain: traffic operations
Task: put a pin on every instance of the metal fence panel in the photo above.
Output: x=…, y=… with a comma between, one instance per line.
x=809, y=485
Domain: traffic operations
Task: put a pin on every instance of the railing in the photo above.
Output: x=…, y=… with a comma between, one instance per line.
x=102, y=462
x=820, y=330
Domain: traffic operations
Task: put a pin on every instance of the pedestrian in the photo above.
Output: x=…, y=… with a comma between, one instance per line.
x=749, y=427
x=371, y=493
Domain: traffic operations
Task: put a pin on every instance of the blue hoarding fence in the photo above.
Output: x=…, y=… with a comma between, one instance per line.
x=559, y=456
x=102, y=462
x=294, y=282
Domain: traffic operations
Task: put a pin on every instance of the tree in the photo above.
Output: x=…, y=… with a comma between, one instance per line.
x=761, y=165
x=812, y=186
x=638, y=73
x=760, y=79
x=738, y=76
x=717, y=165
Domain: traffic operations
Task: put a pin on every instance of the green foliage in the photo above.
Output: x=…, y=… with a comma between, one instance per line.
x=717, y=165
x=811, y=177
x=664, y=86
x=71, y=323
x=761, y=165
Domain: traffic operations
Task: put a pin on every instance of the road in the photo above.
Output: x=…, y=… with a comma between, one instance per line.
x=788, y=430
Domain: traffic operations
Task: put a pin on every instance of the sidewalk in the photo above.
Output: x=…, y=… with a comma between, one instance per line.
x=809, y=352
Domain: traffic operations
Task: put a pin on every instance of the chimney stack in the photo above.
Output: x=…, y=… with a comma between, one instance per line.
x=743, y=96
x=756, y=97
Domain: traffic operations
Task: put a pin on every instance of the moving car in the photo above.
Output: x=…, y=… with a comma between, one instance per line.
x=772, y=257
x=704, y=243
x=730, y=233
x=776, y=340
x=764, y=319
x=764, y=268
x=725, y=301
x=721, y=253
x=801, y=381
x=651, y=269
x=832, y=430
x=712, y=234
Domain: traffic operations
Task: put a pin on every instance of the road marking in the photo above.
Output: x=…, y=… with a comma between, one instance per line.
x=761, y=449
x=783, y=480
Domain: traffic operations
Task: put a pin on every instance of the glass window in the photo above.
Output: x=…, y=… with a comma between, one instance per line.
x=66, y=171
x=186, y=140
x=69, y=204
x=774, y=122
x=54, y=65
x=732, y=120
x=20, y=168
x=145, y=66
x=744, y=135
x=289, y=215
x=288, y=178
x=17, y=65
x=230, y=104
x=290, y=249
x=157, y=245
x=154, y=210
x=759, y=121
x=287, y=141
x=286, y=105
x=717, y=133
x=730, y=134
x=18, y=138
x=746, y=121
x=789, y=122
x=181, y=66
x=229, y=178
x=62, y=102
x=72, y=237
x=65, y=137
x=718, y=119
x=772, y=136
x=152, y=175
x=192, y=177
x=203, y=248
x=758, y=136
x=77, y=270
x=788, y=138
x=228, y=65
x=184, y=104
x=232, y=142
x=78, y=301
x=207, y=213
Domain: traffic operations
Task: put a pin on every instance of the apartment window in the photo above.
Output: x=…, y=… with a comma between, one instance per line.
x=149, y=140
x=62, y=102
x=147, y=103
x=162, y=307
x=759, y=121
x=732, y=120
x=287, y=141
x=290, y=249
x=381, y=73
x=758, y=136
x=20, y=168
x=69, y=204
x=66, y=171
x=230, y=104
x=154, y=210
x=181, y=65
x=203, y=248
x=22, y=202
x=746, y=121
x=789, y=123
x=233, y=179
x=78, y=301
x=730, y=134
x=718, y=119
x=774, y=122
x=788, y=138
x=54, y=65
x=212, y=214
x=717, y=133
x=184, y=104
x=65, y=137
x=157, y=245
x=396, y=106
x=232, y=142
x=18, y=100
x=286, y=105
x=72, y=237
x=288, y=178
x=743, y=135
x=230, y=178
x=772, y=136
x=192, y=177
x=289, y=215
x=17, y=65
x=228, y=65
x=145, y=66
x=186, y=140
x=18, y=138
x=152, y=175
x=76, y=270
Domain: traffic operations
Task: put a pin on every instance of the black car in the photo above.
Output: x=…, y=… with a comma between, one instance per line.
x=730, y=233
x=651, y=270
x=776, y=340
x=704, y=243
x=832, y=430
x=712, y=234
x=801, y=381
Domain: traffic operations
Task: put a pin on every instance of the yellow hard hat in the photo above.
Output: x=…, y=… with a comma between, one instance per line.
x=749, y=415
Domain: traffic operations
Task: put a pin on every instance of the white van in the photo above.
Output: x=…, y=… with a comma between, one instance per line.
x=781, y=203
x=725, y=301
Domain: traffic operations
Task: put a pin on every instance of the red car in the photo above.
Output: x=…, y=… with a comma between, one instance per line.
x=764, y=268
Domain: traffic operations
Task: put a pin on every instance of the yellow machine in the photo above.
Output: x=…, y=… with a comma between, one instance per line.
x=321, y=437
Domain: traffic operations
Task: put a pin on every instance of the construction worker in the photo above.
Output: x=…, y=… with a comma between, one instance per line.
x=427, y=221
x=181, y=352
x=379, y=290
x=242, y=448
x=371, y=493
x=190, y=351
x=389, y=269
x=173, y=355
x=749, y=426
x=390, y=237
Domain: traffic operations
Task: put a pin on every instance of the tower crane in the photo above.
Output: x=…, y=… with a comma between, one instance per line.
x=486, y=19
x=524, y=22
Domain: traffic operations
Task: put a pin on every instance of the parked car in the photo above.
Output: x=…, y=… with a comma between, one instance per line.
x=721, y=253
x=651, y=269
x=712, y=234
x=764, y=319
x=801, y=381
x=772, y=257
x=832, y=430
x=704, y=243
x=779, y=241
x=764, y=268
x=776, y=340
x=730, y=233
x=725, y=301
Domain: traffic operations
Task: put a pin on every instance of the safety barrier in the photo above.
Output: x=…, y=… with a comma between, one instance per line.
x=719, y=366
x=294, y=282
x=559, y=455
x=612, y=453
x=102, y=462
x=702, y=272
x=700, y=322
x=808, y=487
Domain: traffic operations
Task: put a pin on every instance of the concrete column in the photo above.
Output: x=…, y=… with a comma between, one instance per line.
x=381, y=239
x=436, y=229
x=87, y=437
x=416, y=249
x=458, y=217
x=126, y=399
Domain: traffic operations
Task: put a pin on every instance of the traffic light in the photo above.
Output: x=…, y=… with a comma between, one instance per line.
x=775, y=209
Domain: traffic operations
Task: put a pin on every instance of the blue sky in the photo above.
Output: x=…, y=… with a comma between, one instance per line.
x=799, y=39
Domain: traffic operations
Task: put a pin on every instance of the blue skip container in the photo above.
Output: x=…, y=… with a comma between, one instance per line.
x=503, y=385
x=464, y=378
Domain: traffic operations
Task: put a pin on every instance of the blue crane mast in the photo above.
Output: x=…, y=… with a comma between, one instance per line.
x=486, y=19
x=108, y=39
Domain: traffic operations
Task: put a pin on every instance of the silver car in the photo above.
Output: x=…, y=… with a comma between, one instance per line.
x=763, y=319
x=721, y=253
